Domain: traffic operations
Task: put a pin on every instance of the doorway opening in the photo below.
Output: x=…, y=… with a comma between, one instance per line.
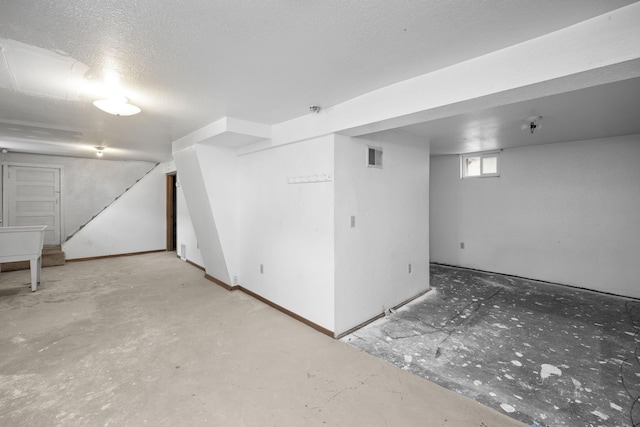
x=171, y=212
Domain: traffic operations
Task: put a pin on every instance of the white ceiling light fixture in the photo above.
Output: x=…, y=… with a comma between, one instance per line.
x=118, y=106
x=532, y=124
x=100, y=150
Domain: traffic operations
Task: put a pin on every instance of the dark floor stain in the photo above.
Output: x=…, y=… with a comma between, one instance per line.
x=544, y=354
x=10, y=292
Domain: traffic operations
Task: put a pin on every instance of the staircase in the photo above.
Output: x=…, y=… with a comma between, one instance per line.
x=51, y=255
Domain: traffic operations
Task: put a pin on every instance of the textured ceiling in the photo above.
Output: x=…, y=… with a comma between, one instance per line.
x=607, y=110
x=189, y=63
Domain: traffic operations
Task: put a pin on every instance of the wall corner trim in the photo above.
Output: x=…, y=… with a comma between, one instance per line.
x=380, y=316
x=92, y=258
x=281, y=309
x=199, y=267
x=218, y=281
x=289, y=313
x=546, y=282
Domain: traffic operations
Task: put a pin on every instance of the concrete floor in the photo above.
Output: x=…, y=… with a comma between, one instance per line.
x=543, y=354
x=146, y=340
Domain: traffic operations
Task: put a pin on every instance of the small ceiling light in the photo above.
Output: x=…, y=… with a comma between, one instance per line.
x=118, y=106
x=111, y=77
x=532, y=124
x=100, y=150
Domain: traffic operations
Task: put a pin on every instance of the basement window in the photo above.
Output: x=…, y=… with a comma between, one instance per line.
x=374, y=157
x=479, y=165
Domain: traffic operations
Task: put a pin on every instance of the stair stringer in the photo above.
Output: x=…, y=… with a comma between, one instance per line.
x=134, y=222
x=106, y=207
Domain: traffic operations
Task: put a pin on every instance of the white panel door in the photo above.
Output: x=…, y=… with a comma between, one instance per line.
x=33, y=198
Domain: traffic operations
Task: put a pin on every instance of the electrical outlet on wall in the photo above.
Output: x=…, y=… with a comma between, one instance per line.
x=461, y=245
x=261, y=269
x=409, y=268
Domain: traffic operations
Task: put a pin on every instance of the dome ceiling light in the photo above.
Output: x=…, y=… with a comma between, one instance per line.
x=118, y=106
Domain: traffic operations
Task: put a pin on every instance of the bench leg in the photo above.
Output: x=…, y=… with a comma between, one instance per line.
x=35, y=274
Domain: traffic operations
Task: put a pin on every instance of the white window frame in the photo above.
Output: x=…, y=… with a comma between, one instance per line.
x=482, y=155
x=377, y=156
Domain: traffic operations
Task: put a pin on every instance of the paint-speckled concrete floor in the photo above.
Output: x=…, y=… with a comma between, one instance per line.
x=146, y=340
x=543, y=354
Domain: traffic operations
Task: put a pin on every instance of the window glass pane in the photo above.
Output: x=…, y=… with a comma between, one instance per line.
x=379, y=158
x=372, y=156
x=472, y=165
x=489, y=165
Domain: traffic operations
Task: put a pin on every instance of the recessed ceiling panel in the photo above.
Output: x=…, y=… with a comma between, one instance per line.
x=603, y=111
x=41, y=72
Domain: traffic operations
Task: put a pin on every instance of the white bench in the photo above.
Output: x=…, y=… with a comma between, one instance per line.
x=23, y=244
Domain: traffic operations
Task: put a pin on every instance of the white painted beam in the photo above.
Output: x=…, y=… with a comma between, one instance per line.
x=597, y=51
x=226, y=132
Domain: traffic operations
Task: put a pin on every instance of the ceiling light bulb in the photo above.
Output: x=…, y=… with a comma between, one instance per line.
x=118, y=106
x=111, y=77
x=99, y=153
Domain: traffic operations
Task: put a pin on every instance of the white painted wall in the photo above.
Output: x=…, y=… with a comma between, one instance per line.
x=219, y=171
x=136, y=222
x=186, y=235
x=194, y=187
x=566, y=213
x=288, y=228
x=298, y=232
x=88, y=185
x=391, y=206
